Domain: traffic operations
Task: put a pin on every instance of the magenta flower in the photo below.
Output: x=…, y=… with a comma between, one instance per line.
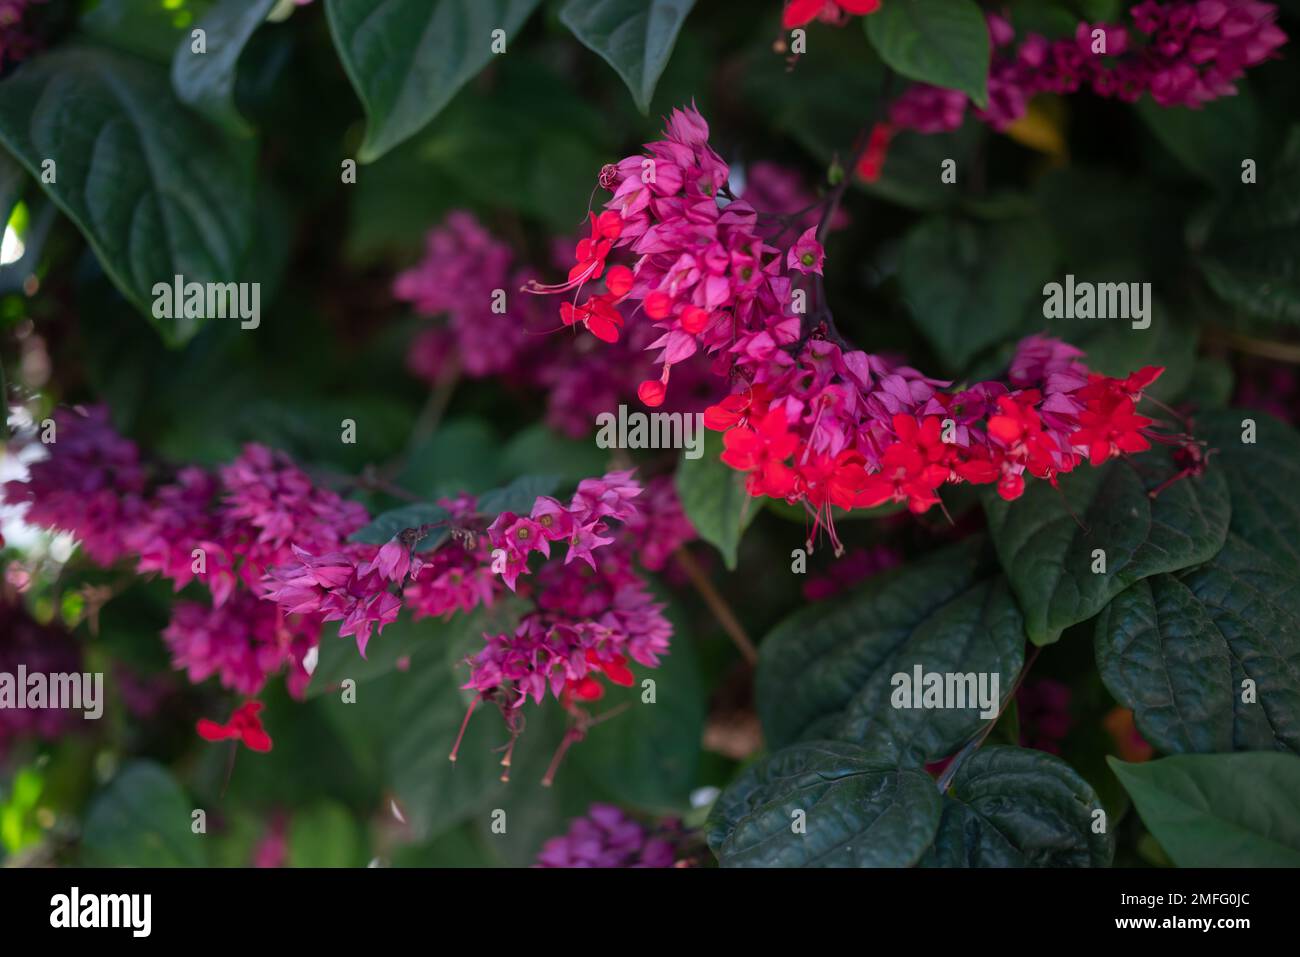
x=806, y=255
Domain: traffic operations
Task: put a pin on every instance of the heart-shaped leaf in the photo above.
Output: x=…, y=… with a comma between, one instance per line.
x=824, y=804
x=940, y=42
x=828, y=671
x=1179, y=649
x=635, y=37
x=1219, y=810
x=1049, y=546
x=155, y=191
x=407, y=58
x=1012, y=807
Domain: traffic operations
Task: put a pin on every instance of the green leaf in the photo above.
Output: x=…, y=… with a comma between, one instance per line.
x=141, y=819
x=518, y=496
x=1252, y=255
x=1013, y=807
x=967, y=286
x=649, y=754
x=149, y=30
x=155, y=191
x=1219, y=810
x=858, y=811
x=324, y=834
x=1048, y=553
x=940, y=42
x=403, y=640
x=635, y=37
x=827, y=670
x=408, y=721
x=1262, y=477
x=1211, y=141
x=386, y=525
x=1177, y=649
x=714, y=498
x=407, y=58
x=206, y=81
x=540, y=449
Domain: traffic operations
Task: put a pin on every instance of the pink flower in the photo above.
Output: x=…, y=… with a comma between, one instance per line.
x=806, y=255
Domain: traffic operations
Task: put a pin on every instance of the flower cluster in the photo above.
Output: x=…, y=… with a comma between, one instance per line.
x=16, y=39
x=607, y=837
x=1184, y=54
x=222, y=529
x=42, y=649
x=366, y=586
x=811, y=420
x=464, y=277
x=591, y=617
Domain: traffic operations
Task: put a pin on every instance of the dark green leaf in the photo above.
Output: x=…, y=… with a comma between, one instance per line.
x=649, y=755
x=324, y=835
x=858, y=810
x=149, y=30
x=1211, y=141
x=407, y=58
x=518, y=496
x=1012, y=807
x=827, y=670
x=714, y=498
x=1178, y=652
x=1220, y=810
x=1048, y=552
x=403, y=640
x=155, y=191
x=940, y=42
x=1262, y=477
x=635, y=37
x=206, y=81
x=141, y=819
x=1252, y=255
x=384, y=527
x=969, y=286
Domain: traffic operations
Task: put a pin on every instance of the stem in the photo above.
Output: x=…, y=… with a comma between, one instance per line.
x=1267, y=349
x=950, y=772
x=717, y=604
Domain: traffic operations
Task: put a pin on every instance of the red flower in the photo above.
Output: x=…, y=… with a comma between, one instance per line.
x=591, y=252
x=910, y=469
x=837, y=481
x=244, y=725
x=597, y=314
x=762, y=451
x=1111, y=426
x=872, y=162
x=799, y=12
x=738, y=408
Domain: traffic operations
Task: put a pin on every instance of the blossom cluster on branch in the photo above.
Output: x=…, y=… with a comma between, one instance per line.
x=810, y=419
x=1184, y=54
x=273, y=552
